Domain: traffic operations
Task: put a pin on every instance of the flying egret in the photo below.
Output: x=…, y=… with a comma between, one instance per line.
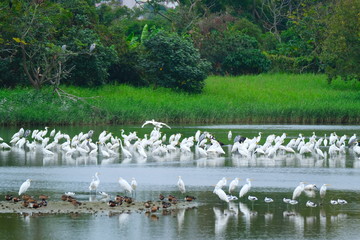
x=155, y=123
x=181, y=185
x=24, y=187
x=246, y=188
x=125, y=185
x=298, y=190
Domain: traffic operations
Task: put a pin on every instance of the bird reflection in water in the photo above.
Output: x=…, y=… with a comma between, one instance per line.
x=180, y=216
x=221, y=219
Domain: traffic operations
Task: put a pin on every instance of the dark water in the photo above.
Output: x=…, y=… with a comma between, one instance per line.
x=272, y=177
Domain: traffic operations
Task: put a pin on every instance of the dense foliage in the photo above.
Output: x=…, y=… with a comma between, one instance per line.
x=172, y=62
x=91, y=42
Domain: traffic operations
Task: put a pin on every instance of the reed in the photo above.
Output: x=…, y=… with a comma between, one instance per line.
x=267, y=98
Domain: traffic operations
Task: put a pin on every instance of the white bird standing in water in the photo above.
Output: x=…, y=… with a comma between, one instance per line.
x=298, y=190
x=24, y=187
x=221, y=194
x=133, y=185
x=221, y=183
x=246, y=188
x=233, y=184
x=125, y=185
x=181, y=185
x=323, y=190
x=94, y=183
x=229, y=135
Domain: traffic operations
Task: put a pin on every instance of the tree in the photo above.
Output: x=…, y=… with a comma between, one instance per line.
x=171, y=61
x=30, y=40
x=341, y=46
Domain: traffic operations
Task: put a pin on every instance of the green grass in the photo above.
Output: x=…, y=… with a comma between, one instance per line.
x=268, y=98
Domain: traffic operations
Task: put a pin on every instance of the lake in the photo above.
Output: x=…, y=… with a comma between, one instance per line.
x=275, y=177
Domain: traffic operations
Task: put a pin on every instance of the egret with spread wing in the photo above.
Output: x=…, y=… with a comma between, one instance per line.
x=156, y=124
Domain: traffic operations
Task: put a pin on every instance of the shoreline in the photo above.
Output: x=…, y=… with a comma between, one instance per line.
x=64, y=207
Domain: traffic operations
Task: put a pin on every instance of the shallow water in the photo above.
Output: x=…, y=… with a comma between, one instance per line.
x=272, y=177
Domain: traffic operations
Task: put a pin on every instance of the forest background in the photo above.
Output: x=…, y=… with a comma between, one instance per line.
x=61, y=57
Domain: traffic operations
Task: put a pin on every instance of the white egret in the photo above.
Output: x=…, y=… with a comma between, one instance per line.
x=181, y=185
x=268, y=200
x=298, y=190
x=325, y=141
x=221, y=194
x=94, y=183
x=221, y=183
x=333, y=202
x=293, y=202
x=126, y=153
x=125, y=185
x=352, y=141
x=70, y=194
x=92, y=47
x=155, y=123
x=133, y=184
x=246, y=188
x=229, y=135
x=323, y=190
x=233, y=184
x=24, y=187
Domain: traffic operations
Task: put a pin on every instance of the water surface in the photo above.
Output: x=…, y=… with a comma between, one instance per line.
x=272, y=177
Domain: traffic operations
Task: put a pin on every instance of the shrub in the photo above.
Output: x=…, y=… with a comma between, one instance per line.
x=245, y=61
x=171, y=61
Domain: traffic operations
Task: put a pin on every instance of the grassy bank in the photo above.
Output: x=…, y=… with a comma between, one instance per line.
x=269, y=98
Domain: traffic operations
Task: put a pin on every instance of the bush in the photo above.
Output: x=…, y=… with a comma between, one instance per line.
x=245, y=61
x=171, y=61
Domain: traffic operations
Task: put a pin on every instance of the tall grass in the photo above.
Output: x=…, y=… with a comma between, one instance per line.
x=268, y=98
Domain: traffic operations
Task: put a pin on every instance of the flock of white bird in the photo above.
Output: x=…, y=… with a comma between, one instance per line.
x=309, y=190
x=157, y=144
